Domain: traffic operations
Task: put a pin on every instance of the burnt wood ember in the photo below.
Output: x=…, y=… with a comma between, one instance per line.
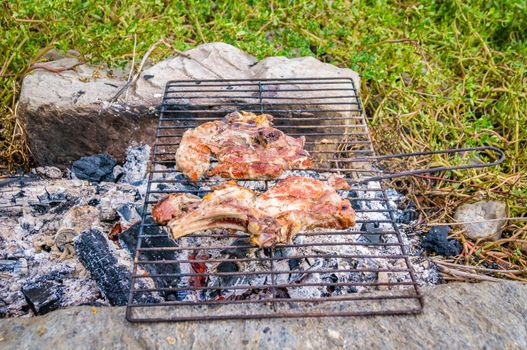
x=155, y=236
x=44, y=294
x=10, y=265
x=113, y=279
x=94, y=168
x=436, y=241
x=37, y=233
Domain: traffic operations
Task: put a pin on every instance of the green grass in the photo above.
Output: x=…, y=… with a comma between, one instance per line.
x=435, y=74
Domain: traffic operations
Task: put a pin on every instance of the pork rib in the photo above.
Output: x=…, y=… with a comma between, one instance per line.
x=275, y=217
x=299, y=203
x=245, y=145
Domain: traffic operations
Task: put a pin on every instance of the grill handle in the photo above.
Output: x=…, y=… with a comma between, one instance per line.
x=437, y=169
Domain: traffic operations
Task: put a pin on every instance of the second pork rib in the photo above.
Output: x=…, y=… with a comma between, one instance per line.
x=293, y=204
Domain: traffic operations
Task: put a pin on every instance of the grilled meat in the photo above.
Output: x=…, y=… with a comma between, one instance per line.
x=174, y=206
x=293, y=204
x=245, y=146
x=299, y=203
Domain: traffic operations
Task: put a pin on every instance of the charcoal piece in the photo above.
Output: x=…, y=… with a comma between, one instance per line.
x=128, y=215
x=373, y=232
x=9, y=265
x=228, y=267
x=128, y=240
x=114, y=280
x=355, y=204
x=52, y=198
x=237, y=252
x=282, y=293
x=436, y=241
x=283, y=252
x=294, y=264
x=95, y=168
x=94, y=202
x=409, y=214
x=44, y=294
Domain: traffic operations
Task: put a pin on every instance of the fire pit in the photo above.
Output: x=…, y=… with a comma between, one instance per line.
x=82, y=236
x=218, y=275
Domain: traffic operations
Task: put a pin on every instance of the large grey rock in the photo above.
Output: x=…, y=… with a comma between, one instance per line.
x=68, y=114
x=456, y=316
x=474, y=216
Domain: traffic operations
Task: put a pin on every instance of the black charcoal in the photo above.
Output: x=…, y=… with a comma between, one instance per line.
x=372, y=232
x=44, y=294
x=128, y=240
x=114, y=280
x=236, y=251
x=436, y=241
x=95, y=168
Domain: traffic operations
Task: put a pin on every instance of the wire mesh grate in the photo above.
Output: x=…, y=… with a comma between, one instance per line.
x=214, y=275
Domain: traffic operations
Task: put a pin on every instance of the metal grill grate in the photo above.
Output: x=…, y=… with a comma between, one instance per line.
x=215, y=275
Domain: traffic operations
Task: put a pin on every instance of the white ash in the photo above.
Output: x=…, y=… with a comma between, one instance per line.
x=28, y=228
x=32, y=215
x=133, y=171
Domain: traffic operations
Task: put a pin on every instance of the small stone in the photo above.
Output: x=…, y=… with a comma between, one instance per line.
x=333, y=334
x=95, y=168
x=481, y=211
x=81, y=218
x=436, y=241
x=49, y=172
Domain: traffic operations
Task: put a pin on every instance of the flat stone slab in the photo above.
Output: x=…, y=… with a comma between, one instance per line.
x=456, y=316
x=72, y=114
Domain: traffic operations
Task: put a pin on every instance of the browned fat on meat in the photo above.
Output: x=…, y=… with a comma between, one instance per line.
x=275, y=217
x=245, y=145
